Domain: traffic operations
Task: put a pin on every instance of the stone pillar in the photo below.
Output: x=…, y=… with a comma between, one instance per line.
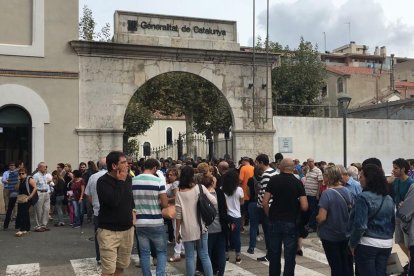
x=252, y=143
x=96, y=143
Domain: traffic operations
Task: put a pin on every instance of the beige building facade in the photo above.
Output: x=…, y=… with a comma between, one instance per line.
x=38, y=77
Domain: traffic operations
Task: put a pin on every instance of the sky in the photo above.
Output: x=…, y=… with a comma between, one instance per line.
x=368, y=22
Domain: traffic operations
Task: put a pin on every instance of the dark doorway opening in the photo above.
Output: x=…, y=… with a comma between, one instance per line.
x=15, y=136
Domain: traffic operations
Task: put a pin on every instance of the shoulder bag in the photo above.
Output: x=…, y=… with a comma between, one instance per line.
x=35, y=197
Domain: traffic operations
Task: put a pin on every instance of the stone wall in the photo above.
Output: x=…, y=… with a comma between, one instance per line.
x=321, y=138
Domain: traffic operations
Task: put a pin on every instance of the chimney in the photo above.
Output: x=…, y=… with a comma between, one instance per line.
x=383, y=51
x=376, y=52
x=392, y=83
x=364, y=49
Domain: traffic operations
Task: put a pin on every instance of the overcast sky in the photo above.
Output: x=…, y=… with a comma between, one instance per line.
x=387, y=23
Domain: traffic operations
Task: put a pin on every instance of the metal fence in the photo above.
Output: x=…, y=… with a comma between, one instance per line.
x=194, y=145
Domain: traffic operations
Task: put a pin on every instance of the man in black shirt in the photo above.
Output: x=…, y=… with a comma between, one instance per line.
x=115, y=232
x=289, y=199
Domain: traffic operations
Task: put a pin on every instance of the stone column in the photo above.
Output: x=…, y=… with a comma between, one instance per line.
x=252, y=143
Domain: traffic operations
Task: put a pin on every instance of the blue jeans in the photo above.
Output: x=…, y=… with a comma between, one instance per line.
x=371, y=260
x=285, y=232
x=313, y=211
x=339, y=257
x=59, y=207
x=202, y=250
x=156, y=235
x=235, y=234
x=217, y=252
x=78, y=211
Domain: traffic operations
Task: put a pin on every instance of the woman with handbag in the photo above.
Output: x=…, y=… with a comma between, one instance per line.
x=172, y=179
x=372, y=223
x=333, y=217
x=187, y=216
x=27, y=194
x=217, y=231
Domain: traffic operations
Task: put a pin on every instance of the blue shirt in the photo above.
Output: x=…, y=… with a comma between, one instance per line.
x=354, y=187
x=12, y=177
x=337, y=217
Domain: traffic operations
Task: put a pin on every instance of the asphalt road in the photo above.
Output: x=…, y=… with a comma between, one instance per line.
x=67, y=251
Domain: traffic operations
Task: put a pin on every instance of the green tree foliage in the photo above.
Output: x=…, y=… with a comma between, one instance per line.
x=137, y=120
x=298, y=80
x=178, y=93
x=87, y=26
x=274, y=47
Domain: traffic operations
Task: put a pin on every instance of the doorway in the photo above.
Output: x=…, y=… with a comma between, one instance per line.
x=15, y=136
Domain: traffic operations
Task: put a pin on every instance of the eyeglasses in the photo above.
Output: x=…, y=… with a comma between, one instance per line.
x=22, y=173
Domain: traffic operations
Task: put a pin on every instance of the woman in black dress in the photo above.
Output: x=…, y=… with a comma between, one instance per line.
x=23, y=216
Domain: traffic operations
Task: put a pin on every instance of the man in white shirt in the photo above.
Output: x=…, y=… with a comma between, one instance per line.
x=42, y=207
x=92, y=195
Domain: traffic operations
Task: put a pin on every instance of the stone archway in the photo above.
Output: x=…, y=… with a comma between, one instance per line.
x=150, y=45
x=111, y=73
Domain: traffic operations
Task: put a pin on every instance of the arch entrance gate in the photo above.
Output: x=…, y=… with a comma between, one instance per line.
x=147, y=45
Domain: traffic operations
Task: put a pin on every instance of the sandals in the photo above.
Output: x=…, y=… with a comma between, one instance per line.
x=174, y=259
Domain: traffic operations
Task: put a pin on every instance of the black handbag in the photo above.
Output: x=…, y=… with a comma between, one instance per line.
x=35, y=197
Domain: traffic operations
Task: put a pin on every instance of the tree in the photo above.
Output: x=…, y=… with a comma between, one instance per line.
x=186, y=94
x=87, y=26
x=137, y=120
x=298, y=80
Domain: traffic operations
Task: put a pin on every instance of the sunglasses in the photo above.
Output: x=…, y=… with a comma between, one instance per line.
x=22, y=173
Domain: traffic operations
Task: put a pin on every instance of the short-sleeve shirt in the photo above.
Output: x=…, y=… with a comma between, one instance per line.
x=400, y=189
x=246, y=172
x=41, y=181
x=146, y=189
x=286, y=190
x=90, y=190
x=336, y=205
x=233, y=203
x=313, y=177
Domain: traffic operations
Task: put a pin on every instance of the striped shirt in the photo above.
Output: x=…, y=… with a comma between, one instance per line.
x=263, y=183
x=146, y=189
x=313, y=177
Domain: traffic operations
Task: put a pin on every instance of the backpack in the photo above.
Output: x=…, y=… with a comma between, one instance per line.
x=205, y=209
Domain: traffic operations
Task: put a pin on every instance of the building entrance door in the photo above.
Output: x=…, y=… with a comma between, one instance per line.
x=15, y=137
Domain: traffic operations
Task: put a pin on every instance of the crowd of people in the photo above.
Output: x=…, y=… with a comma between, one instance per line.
x=357, y=212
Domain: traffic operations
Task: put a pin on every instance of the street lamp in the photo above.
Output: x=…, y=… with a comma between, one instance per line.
x=343, y=104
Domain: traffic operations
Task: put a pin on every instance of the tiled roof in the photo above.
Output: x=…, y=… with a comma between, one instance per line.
x=348, y=70
x=403, y=84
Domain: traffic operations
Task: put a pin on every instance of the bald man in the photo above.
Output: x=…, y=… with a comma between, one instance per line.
x=289, y=199
x=222, y=167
